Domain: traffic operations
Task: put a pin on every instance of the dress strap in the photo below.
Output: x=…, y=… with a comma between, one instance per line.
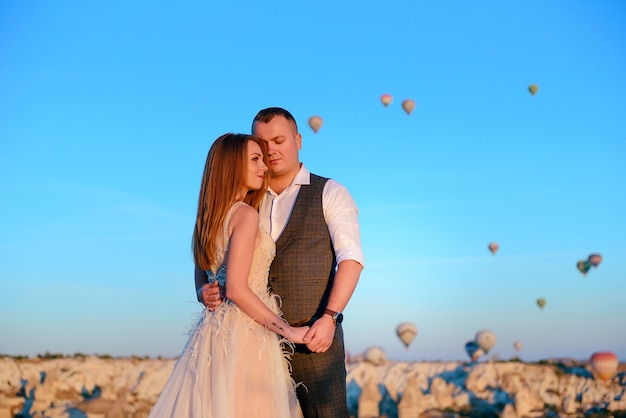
x=227, y=221
x=222, y=253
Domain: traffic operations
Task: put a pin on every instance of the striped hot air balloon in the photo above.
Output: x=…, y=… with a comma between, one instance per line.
x=604, y=364
x=406, y=332
x=386, y=99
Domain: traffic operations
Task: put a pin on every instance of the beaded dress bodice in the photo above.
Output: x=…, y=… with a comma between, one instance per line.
x=261, y=261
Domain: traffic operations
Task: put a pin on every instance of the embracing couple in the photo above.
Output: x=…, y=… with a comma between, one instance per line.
x=278, y=255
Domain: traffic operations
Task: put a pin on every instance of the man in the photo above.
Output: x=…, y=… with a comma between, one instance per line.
x=314, y=222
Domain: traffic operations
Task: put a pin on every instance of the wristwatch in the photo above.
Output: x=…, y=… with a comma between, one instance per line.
x=337, y=316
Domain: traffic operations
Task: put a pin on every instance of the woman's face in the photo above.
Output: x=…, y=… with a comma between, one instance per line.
x=256, y=167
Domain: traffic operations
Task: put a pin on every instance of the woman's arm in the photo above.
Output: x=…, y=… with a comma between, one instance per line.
x=244, y=237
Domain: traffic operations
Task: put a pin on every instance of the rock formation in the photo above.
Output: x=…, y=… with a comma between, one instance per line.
x=120, y=388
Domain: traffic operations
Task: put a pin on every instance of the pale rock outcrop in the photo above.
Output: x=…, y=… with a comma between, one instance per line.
x=509, y=412
x=5, y=408
x=128, y=388
x=420, y=376
x=461, y=399
x=527, y=403
x=548, y=383
x=10, y=376
x=412, y=400
x=617, y=403
x=590, y=395
x=14, y=405
x=369, y=400
x=568, y=386
x=109, y=408
x=442, y=392
x=512, y=382
x=393, y=378
x=481, y=381
x=569, y=404
x=151, y=381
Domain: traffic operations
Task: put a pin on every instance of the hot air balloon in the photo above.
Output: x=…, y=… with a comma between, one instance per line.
x=408, y=105
x=604, y=364
x=406, y=332
x=541, y=302
x=594, y=259
x=473, y=350
x=493, y=247
x=517, y=345
x=315, y=122
x=386, y=99
x=486, y=339
x=583, y=266
x=533, y=89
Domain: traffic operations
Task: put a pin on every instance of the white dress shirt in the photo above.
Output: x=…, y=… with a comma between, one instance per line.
x=340, y=214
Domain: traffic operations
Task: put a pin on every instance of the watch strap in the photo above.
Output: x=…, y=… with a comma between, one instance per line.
x=332, y=314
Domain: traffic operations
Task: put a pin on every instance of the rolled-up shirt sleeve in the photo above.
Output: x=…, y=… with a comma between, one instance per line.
x=342, y=217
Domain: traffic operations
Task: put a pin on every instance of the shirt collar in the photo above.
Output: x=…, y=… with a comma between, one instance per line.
x=303, y=177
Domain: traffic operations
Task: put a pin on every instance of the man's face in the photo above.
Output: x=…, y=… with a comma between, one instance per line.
x=283, y=143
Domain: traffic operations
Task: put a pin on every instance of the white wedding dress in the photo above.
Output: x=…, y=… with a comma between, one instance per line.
x=231, y=366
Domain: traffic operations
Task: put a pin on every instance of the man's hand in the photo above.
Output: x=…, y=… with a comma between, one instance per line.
x=321, y=334
x=212, y=295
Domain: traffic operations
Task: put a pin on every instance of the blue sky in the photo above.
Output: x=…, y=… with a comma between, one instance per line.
x=108, y=109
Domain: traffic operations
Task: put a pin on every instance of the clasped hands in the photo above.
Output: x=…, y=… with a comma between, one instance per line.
x=317, y=338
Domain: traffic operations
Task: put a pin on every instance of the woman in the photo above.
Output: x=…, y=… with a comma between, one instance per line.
x=233, y=364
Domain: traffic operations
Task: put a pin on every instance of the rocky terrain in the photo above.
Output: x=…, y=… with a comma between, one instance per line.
x=96, y=387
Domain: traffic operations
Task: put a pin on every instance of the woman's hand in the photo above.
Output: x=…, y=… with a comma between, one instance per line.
x=297, y=335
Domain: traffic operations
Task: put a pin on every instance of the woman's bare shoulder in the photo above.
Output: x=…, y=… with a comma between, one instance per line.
x=244, y=213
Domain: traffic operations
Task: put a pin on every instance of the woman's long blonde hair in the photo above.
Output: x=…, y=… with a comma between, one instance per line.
x=224, y=178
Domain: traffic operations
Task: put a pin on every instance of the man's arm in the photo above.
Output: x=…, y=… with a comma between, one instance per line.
x=346, y=279
x=208, y=294
x=341, y=215
x=342, y=218
x=322, y=331
x=201, y=279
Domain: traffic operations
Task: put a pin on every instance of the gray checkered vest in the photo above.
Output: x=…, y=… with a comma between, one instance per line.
x=303, y=270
